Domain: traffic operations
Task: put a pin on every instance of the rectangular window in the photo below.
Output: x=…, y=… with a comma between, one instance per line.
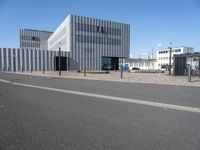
x=102, y=29
x=98, y=29
x=177, y=50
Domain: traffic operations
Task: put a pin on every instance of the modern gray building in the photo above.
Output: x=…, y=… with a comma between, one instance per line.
x=34, y=39
x=93, y=43
x=89, y=43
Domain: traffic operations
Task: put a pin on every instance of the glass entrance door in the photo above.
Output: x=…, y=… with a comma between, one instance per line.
x=110, y=63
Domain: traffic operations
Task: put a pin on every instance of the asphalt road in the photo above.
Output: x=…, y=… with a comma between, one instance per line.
x=179, y=95
x=41, y=119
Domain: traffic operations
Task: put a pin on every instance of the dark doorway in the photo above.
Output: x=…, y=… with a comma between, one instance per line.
x=114, y=63
x=64, y=63
x=110, y=63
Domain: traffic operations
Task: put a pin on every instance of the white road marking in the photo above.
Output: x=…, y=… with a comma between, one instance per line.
x=5, y=81
x=135, y=101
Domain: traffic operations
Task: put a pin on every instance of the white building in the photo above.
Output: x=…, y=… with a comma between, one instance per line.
x=144, y=64
x=163, y=55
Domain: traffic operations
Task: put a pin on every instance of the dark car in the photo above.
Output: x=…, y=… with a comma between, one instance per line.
x=135, y=68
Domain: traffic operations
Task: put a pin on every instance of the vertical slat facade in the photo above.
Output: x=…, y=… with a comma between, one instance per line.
x=89, y=46
x=12, y=59
x=90, y=39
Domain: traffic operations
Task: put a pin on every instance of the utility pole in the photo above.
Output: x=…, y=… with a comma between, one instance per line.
x=170, y=58
x=189, y=73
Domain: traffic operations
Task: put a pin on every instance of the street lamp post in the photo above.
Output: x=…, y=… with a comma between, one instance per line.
x=189, y=73
x=85, y=63
x=14, y=63
x=122, y=68
x=59, y=61
x=170, y=59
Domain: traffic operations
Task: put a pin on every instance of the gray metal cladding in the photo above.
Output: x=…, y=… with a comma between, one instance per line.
x=34, y=39
x=28, y=59
x=92, y=39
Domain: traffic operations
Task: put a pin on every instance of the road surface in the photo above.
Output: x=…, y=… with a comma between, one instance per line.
x=55, y=113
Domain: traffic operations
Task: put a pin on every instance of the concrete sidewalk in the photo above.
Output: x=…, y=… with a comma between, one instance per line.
x=154, y=78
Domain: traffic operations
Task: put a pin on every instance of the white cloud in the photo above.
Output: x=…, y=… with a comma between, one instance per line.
x=159, y=45
x=131, y=55
x=143, y=54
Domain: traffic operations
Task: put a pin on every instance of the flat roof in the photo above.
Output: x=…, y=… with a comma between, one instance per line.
x=37, y=30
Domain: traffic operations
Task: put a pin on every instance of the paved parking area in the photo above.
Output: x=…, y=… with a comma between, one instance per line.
x=155, y=78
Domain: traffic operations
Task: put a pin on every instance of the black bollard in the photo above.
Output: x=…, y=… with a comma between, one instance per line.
x=121, y=72
x=84, y=71
x=43, y=70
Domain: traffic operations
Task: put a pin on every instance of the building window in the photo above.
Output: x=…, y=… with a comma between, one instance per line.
x=33, y=38
x=177, y=50
x=101, y=30
x=98, y=29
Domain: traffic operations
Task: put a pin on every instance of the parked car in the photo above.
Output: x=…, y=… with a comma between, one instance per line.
x=135, y=68
x=163, y=69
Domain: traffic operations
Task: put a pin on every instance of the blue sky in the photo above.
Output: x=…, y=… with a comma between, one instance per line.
x=154, y=23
